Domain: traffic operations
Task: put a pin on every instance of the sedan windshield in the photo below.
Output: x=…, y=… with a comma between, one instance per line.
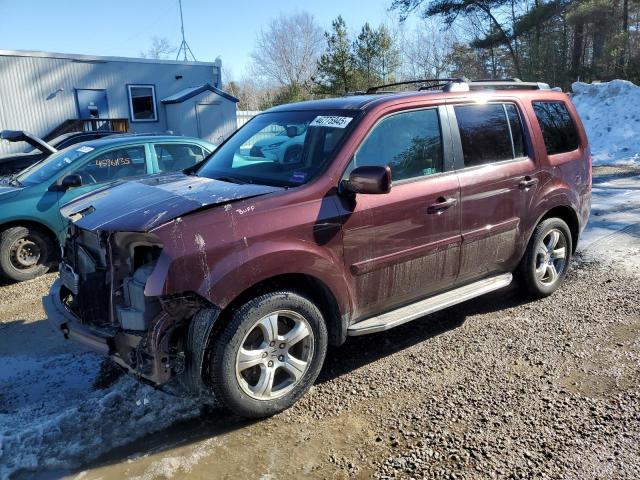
x=53, y=164
x=280, y=148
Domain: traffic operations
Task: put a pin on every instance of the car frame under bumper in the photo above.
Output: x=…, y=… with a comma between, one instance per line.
x=161, y=366
x=61, y=319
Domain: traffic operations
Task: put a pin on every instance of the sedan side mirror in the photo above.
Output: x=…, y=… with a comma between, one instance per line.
x=71, y=181
x=369, y=179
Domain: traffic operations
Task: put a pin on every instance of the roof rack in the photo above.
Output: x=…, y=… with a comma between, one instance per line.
x=463, y=84
x=438, y=82
x=508, y=84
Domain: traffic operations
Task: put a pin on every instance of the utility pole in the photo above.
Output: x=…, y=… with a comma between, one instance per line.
x=184, y=46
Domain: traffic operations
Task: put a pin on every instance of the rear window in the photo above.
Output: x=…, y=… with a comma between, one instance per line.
x=490, y=133
x=178, y=156
x=559, y=132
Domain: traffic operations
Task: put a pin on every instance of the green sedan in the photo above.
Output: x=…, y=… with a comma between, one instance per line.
x=31, y=226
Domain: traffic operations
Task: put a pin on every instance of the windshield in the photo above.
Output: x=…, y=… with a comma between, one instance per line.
x=280, y=148
x=52, y=165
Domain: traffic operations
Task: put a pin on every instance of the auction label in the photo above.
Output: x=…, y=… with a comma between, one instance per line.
x=326, y=121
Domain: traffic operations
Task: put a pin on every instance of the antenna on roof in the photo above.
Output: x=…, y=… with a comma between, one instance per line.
x=184, y=46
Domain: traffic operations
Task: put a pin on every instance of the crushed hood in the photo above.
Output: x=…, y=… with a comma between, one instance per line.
x=140, y=205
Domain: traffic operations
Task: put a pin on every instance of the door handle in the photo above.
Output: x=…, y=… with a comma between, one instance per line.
x=441, y=205
x=527, y=183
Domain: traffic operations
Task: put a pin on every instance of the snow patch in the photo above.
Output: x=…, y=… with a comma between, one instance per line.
x=51, y=418
x=614, y=225
x=610, y=112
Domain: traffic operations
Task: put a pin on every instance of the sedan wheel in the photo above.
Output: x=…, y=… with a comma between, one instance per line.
x=25, y=253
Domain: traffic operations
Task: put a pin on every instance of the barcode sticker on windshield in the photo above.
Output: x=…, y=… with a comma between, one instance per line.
x=335, y=122
x=85, y=149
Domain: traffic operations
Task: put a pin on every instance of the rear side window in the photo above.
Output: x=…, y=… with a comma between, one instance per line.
x=559, y=132
x=490, y=133
x=410, y=143
x=178, y=156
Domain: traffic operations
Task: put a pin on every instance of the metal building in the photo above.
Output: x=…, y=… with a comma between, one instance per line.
x=49, y=94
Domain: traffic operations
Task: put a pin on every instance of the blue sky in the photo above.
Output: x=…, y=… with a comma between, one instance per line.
x=125, y=28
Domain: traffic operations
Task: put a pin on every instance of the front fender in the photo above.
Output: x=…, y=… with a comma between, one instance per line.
x=220, y=280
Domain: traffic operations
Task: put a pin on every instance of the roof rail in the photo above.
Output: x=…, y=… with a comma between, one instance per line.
x=438, y=82
x=463, y=84
x=513, y=84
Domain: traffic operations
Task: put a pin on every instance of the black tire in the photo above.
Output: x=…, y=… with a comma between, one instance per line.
x=25, y=253
x=229, y=386
x=534, y=262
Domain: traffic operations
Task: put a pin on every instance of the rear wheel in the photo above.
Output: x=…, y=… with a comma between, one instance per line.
x=547, y=258
x=25, y=253
x=269, y=354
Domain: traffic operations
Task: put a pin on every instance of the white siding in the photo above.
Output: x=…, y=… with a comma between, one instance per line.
x=28, y=86
x=206, y=115
x=245, y=115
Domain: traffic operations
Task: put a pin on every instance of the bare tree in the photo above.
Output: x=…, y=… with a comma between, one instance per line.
x=286, y=53
x=425, y=50
x=253, y=93
x=160, y=49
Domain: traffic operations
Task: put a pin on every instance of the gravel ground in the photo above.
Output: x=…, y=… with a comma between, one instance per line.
x=499, y=387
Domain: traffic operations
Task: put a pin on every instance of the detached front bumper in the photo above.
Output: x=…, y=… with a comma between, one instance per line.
x=69, y=325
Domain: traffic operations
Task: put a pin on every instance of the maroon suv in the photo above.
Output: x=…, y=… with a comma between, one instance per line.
x=359, y=214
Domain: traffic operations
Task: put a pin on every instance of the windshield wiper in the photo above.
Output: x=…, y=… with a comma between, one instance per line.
x=231, y=180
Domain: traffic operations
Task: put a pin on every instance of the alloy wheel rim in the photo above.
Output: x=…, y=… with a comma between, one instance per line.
x=25, y=253
x=274, y=355
x=551, y=257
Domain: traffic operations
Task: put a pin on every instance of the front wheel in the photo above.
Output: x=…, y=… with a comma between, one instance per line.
x=269, y=354
x=547, y=258
x=25, y=253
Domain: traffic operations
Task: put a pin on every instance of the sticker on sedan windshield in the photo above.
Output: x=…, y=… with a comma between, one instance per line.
x=86, y=149
x=330, y=121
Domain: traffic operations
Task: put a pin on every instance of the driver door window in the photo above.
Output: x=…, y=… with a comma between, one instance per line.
x=114, y=165
x=410, y=143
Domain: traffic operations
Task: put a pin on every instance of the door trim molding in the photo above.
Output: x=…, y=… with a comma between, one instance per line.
x=488, y=230
x=377, y=263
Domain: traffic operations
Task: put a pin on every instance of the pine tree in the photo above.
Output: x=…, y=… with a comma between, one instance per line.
x=367, y=47
x=336, y=67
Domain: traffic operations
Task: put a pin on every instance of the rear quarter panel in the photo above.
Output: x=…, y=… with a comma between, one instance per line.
x=571, y=171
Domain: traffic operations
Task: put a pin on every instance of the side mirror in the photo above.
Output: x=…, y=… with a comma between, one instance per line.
x=369, y=179
x=71, y=181
x=292, y=131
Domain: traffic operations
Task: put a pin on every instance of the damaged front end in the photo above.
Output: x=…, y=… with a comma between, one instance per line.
x=100, y=301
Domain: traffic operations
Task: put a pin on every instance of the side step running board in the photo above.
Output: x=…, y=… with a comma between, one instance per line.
x=430, y=305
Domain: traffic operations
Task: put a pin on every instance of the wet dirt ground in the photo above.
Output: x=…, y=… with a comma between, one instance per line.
x=499, y=387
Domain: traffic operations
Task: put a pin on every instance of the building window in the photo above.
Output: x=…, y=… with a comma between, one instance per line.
x=142, y=103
